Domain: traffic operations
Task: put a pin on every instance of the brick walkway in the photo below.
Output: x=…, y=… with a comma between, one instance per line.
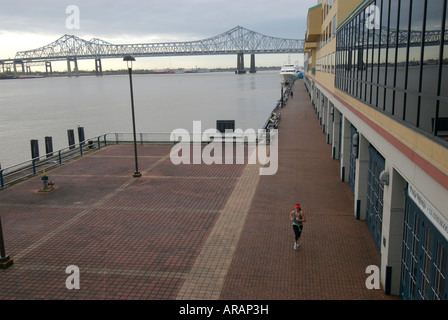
x=190, y=231
x=335, y=247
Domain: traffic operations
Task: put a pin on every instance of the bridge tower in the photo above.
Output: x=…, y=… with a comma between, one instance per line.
x=98, y=67
x=48, y=67
x=69, y=69
x=240, y=63
x=252, y=63
x=15, y=66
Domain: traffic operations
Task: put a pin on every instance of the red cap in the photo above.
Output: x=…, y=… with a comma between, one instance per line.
x=297, y=205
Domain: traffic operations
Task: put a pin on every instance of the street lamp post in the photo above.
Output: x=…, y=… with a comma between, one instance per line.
x=129, y=60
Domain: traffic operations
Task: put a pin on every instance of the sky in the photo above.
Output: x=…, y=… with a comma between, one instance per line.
x=30, y=24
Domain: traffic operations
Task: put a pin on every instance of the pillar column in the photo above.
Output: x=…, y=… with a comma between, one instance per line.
x=252, y=63
x=98, y=67
x=392, y=231
x=361, y=177
x=69, y=68
x=329, y=122
x=336, y=115
x=240, y=63
x=21, y=64
x=48, y=67
x=76, y=67
x=345, y=149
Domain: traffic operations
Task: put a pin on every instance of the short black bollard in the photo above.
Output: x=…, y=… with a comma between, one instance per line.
x=5, y=261
x=81, y=136
x=71, y=138
x=49, y=146
x=34, y=149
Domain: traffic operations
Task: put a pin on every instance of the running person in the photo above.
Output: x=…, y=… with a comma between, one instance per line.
x=297, y=217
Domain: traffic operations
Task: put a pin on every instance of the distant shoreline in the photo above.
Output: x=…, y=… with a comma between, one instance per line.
x=122, y=71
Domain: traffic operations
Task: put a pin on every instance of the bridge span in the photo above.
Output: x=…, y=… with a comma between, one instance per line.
x=71, y=48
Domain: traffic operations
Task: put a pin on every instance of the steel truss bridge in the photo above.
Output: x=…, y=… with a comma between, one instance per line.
x=71, y=48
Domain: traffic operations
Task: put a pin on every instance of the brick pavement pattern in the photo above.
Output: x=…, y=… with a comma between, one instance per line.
x=190, y=231
x=335, y=247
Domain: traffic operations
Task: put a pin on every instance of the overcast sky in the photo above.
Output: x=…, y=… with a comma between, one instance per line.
x=29, y=24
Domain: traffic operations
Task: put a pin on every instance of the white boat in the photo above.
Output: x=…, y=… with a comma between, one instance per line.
x=289, y=73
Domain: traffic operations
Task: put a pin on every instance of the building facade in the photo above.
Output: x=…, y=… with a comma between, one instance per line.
x=377, y=74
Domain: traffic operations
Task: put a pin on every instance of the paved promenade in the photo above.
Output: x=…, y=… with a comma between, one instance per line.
x=190, y=231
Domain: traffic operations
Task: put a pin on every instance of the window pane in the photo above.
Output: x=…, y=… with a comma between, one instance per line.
x=389, y=100
x=415, y=44
x=383, y=52
x=390, y=81
x=430, y=77
x=441, y=272
x=399, y=104
x=427, y=114
x=443, y=120
x=411, y=108
x=402, y=44
x=375, y=56
x=427, y=263
x=444, y=88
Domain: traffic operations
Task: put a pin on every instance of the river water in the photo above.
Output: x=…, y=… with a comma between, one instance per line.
x=36, y=108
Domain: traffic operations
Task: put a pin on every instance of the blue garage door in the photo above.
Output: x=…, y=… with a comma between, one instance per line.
x=375, y=192
x=424, y=260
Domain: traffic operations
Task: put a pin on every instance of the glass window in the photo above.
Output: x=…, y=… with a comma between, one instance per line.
x=411, y=108
x=432, y=39
x=415, y=44
x=443, y=105
x=444, y=81
x=427, y=264
x=383, y=52
x=360, y=49
x=391, y=56
x=355, y=53
x=430, y=67
x=394, y=64
x=334, y=25
x=402, y=44
x=441, y=272
x=399, y=104
x=375, y=60
x=402, y=57
x=370, y=59
x=427, y=114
